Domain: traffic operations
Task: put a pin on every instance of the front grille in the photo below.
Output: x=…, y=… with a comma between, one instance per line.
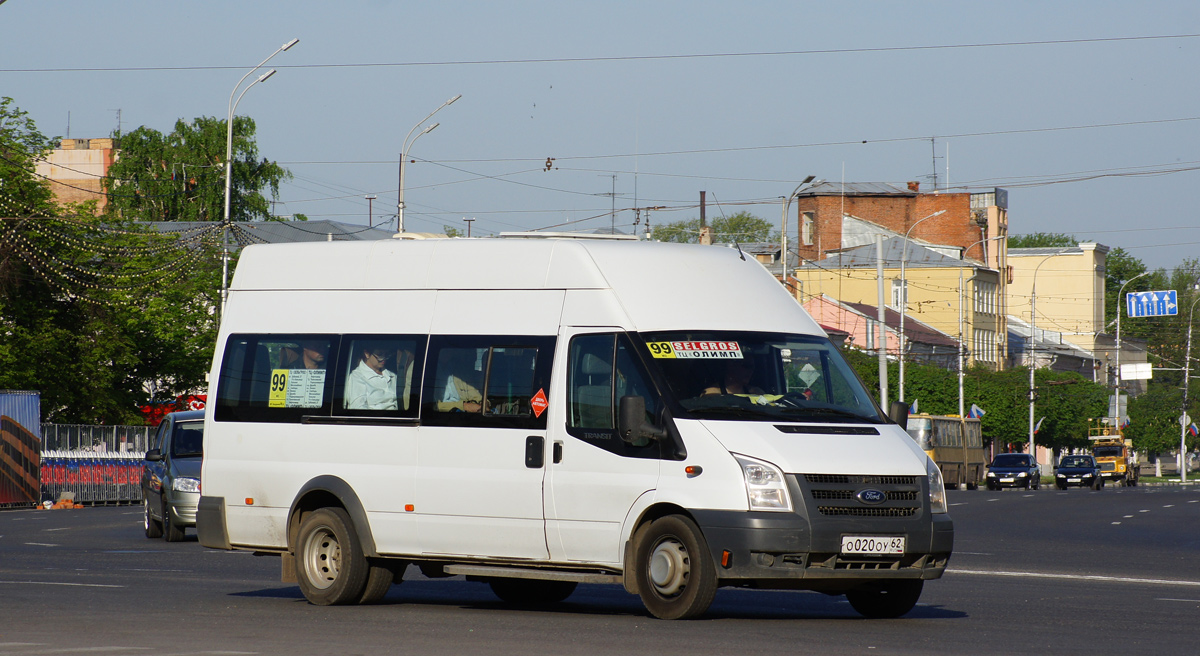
x=850, y=479
x=836, y=495
x=1108, y=466
x=863, y=511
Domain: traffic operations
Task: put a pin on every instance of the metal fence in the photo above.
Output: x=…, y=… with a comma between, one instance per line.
x=98, y=439
x=92, y=477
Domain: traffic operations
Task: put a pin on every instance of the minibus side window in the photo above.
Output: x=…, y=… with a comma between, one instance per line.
x=601, y=369
x=379, y=376
x=275, y=378
x=487, y=381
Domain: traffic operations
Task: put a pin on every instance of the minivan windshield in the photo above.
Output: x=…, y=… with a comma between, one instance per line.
x=742, y=375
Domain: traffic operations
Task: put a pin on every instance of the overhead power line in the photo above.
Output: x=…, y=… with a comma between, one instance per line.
x=623, y=58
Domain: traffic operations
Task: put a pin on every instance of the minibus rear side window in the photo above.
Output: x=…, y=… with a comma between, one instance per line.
x=275, y=378
x=487, y=381
x=379, y=376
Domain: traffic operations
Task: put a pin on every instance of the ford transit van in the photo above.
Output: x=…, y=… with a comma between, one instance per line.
x=536, y=413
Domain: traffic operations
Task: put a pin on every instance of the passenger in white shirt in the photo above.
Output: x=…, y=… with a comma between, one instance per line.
x=371, y=386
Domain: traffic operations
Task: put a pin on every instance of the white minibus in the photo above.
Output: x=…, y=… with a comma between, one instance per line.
x=535, y=413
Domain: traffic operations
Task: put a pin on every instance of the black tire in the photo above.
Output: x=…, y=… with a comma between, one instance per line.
x=1061, y=486
x=532, y=592
x=676, y=575
x=992, y=486
x=379, y=581
x=154, y=528
x=886, y=599
x=172, y=532
x=330, y=566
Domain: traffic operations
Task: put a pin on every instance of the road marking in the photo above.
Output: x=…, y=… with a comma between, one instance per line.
x=77, y=585
x=1190, y=601
x=63, y=528
x=1128, y=516
x=40, y=544
x=1141, y=511
x=1075, y=577
x=972, y=553
x=1169, y=505
x=993, y=499
x=1115, y=523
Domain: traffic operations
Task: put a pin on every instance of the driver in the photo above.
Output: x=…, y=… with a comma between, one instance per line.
x=735, y=379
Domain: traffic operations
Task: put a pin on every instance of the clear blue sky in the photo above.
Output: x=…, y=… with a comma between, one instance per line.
x=612, y=93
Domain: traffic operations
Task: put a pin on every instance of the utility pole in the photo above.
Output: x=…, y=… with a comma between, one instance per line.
x=705, y=232
x=469, y=222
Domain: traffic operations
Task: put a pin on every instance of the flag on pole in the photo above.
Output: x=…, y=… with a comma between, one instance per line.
x=1038, y=427
x=1193, y=430
x=912, y=409
x=1124, y=422
x=976, y=412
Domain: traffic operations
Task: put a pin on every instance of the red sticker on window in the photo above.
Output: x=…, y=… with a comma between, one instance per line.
x=539, y=403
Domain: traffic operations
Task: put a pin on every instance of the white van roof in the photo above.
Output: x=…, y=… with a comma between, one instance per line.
x=660, y=286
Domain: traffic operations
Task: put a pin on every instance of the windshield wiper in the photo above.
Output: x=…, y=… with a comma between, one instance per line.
x=838, y=412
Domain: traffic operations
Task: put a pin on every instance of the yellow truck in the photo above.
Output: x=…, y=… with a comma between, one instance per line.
x=954, y=443
x=1114, y=454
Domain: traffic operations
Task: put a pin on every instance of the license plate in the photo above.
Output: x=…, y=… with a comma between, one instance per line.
x=1007, y=480
x=1074, y=480
x=872, y=544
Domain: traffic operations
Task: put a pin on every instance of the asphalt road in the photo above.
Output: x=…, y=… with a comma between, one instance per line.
x=1076, y=572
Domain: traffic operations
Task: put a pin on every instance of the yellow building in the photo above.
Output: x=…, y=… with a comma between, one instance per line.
x=959, y=297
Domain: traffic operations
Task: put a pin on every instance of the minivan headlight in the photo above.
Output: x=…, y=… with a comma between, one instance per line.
x=185, y=485
x=766, y=488
x=937, y=488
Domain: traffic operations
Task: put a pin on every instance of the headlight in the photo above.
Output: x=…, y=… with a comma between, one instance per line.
x=185, y=485
x=1061, y=475
x=991, y=474
x=937, y=488
x=766, y=487
x=1022, y=475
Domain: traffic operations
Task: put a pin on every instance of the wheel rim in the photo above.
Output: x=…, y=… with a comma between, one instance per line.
x=322, y=558
x=669, y=567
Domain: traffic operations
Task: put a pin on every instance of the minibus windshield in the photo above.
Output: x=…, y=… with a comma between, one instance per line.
x=738, y=376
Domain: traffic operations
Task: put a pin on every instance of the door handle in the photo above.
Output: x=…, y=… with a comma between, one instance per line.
x=558, y=446
x=535, y=451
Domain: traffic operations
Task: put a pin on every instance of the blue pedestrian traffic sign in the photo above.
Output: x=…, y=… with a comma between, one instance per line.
x=1152, y=304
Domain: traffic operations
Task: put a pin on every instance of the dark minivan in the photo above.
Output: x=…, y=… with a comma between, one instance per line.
x=171, y=475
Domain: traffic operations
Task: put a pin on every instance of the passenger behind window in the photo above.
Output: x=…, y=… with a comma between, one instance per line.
x=735, y=379
x=371, y=386
x=460, y=395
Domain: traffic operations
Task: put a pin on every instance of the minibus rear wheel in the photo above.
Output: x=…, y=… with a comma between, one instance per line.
x=330, y=566
x=676, y=576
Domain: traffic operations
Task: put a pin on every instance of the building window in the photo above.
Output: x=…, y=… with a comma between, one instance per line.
x=899, y=294
x=806, y=228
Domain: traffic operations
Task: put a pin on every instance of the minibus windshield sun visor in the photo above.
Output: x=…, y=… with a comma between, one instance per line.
x=751, y=376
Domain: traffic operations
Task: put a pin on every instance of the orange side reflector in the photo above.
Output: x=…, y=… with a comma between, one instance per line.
x=693, y=470
x=726, y=558
x=249, y=501
x=408, y=507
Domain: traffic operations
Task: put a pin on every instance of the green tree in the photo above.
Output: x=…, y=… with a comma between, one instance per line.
x=97, y=315
x=180, y=176
x=1042, y=240
x=742, y=228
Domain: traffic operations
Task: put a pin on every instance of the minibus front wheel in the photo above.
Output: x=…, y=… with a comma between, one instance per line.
x=677, y=578
x=331, y=568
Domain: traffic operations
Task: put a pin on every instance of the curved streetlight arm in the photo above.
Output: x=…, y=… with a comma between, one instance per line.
x=405, y=146
x=904, y=296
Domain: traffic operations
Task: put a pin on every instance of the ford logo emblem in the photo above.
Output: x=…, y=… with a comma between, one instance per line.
x=871, y=497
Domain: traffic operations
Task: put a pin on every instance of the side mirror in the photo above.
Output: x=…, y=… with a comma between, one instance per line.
x=899, y=413
x=154, y=455
x=631, y=421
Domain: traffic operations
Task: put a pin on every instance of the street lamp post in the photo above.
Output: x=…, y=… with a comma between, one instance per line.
x=1117, y=387
x=1187, y=364
x=229, y=162
x=783, y=245
x=904, y=296
x=406, y=146
x=1031, y=350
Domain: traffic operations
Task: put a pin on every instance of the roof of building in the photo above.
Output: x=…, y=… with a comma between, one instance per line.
x=1048, y=341
x=893, y=251
x=914, y=330
x=858, y=189
x=244, y=233
x=1056, y=250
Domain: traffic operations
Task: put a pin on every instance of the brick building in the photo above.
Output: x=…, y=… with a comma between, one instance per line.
x=76, y=168
x=834, y=216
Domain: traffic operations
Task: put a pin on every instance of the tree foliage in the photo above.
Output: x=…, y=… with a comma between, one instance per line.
x=180, y=176
x=97, y=315
x=742, y=228
x=1042, y=240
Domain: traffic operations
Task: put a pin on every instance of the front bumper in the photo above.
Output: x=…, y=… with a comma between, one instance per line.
x=802, y=549
x=182, y=506
x=1008, y=480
